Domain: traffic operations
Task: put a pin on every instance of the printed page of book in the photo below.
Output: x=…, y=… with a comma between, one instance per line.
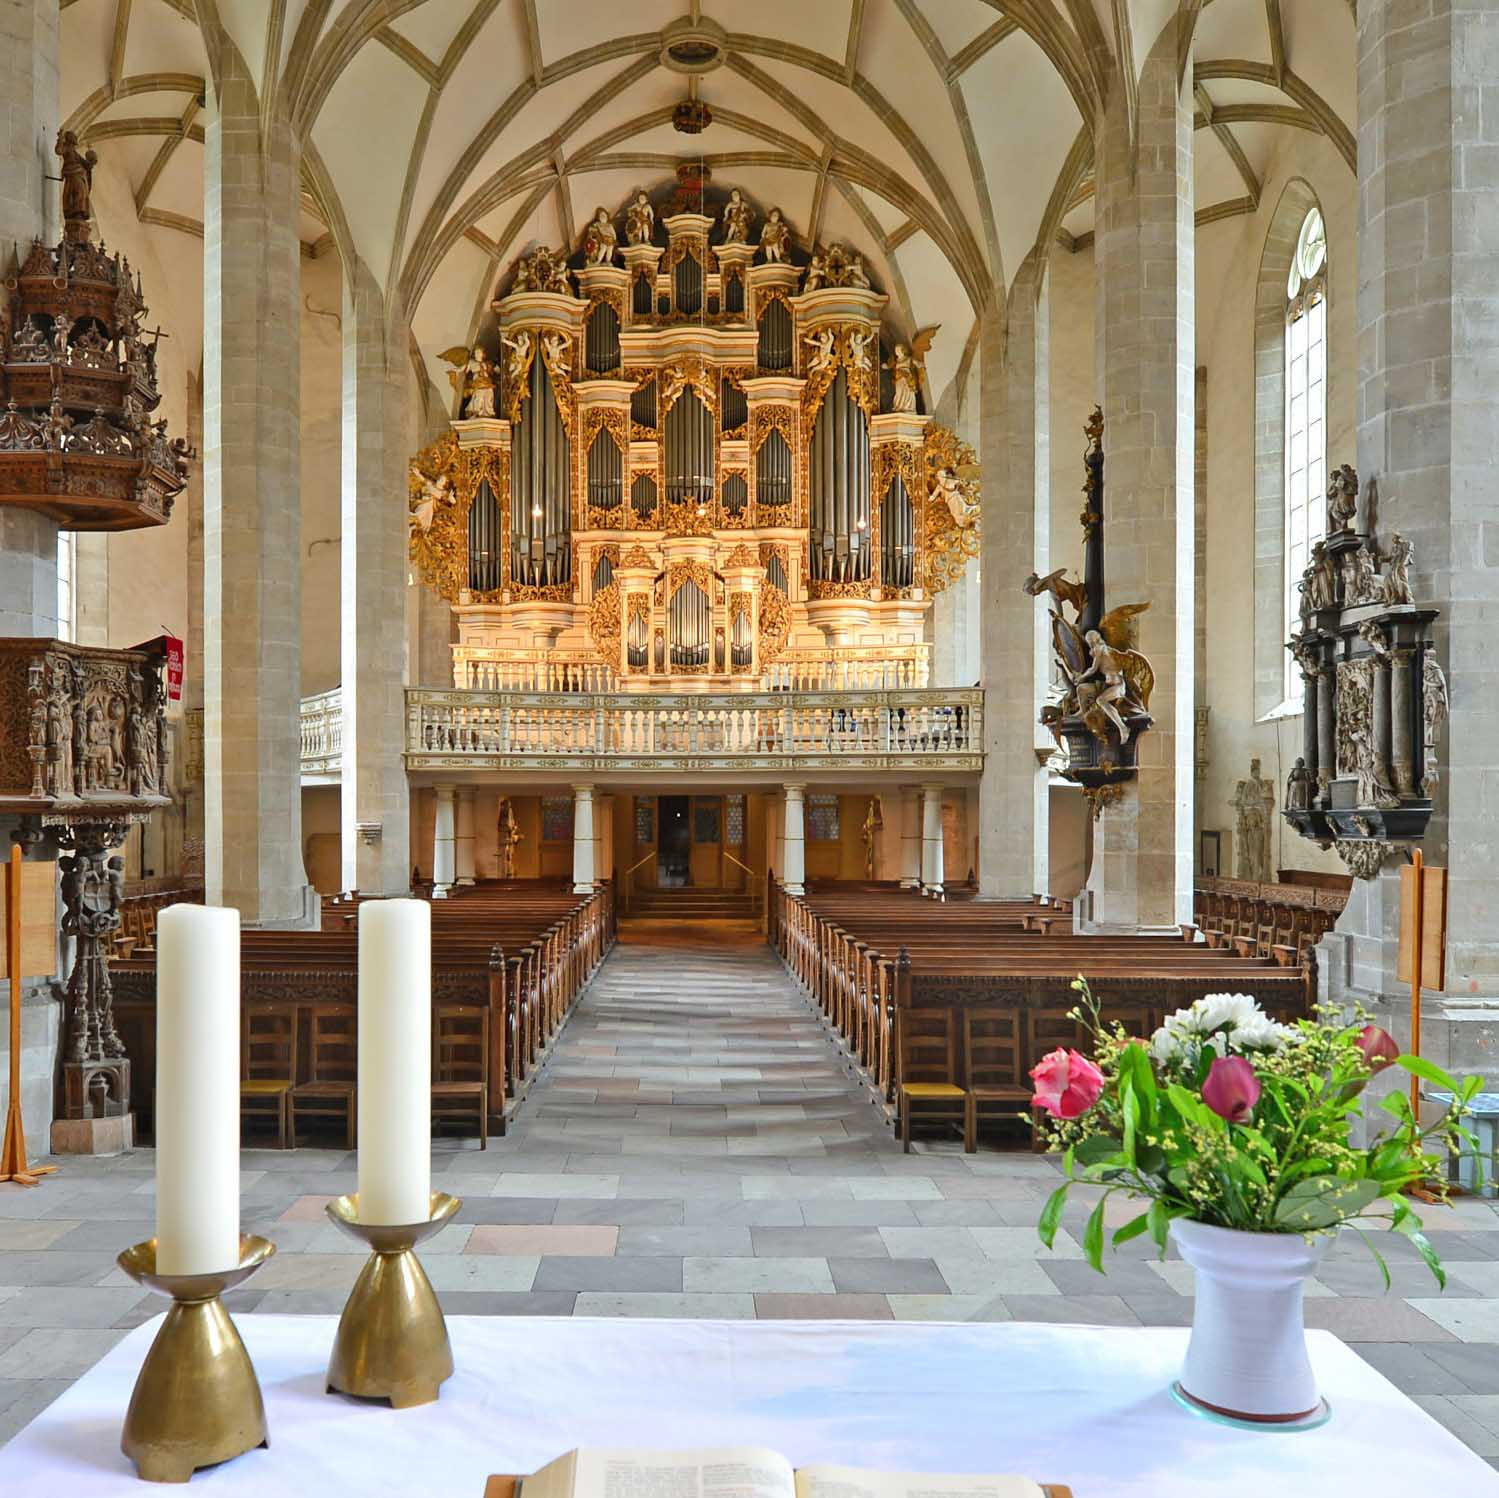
x=856, y=1482
x=726, y=1472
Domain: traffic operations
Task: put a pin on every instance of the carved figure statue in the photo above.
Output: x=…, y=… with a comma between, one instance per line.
x=1108, y=668
x=859, y=342
x=77, y=179
x=1300, y=784
x=556, y=349
x=824, y=350
x=640, y=220
x=1254, y=806
x=962, y=504
x=817, y=272
x=479, y=385
x=59, y=736
x=1322, y=585
x=1433, y=715
x=1059, y=587
x=100, y=752
x=438, y=491
x=1360, y=577
x=873, y=821
x=1342, y=498
x=510, y=837
x=905, y=379
x=1397, y=582
x=520, y=358
x=599, y=240
x=736, y=219
x=143, y=770
x=773, y=237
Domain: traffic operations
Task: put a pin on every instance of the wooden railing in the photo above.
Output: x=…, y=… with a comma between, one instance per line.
x=1266, y=916
x=933, y=729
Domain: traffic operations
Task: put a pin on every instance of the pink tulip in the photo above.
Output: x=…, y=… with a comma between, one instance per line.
x=1067, y=1084
x=1231, y=1089
x=1378, y=1047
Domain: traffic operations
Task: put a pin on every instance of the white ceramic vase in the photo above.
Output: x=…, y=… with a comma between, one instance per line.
x=1247, y=1357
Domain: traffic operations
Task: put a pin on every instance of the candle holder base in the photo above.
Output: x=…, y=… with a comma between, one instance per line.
x=196, y=1401
x=392, y=1341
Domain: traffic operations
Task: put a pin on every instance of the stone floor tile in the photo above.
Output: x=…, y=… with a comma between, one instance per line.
x=1390, y=1319
x=621, y=1212
x=558, y=1185
x=818, y=1242
x=949, y=1308
x=1460, y=1422
x=576, y=1239
x=995, y=1276
x=1079, y=1310
x=507, y=1302
x=56, y=1352
x=1024, y=1243
x=19, y=1234
x=1412, y=1369
x=1475, y=1363
x=887, y=1276
x=653, y=1273
x=894, y=1189
x=25, y=1400
x=1121, y=1276
x=69, y=1306
x=508, y=1209
x=485, y=1272
x=951, y=1241
x=765, y=1213
x=771, y=1306
x=797, y=1275
x=707, y=1241
x=711, y=1306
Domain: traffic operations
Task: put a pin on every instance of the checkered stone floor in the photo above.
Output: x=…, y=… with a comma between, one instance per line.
x=696, y=1147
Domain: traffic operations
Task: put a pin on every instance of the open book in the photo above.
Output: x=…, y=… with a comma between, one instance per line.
x=746, y=1472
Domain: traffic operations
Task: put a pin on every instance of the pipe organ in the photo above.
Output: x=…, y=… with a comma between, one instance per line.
x=688, y=479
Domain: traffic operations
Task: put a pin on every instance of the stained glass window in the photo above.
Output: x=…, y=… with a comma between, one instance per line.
x=734, y=820
x=822, y=819
x=556, y=819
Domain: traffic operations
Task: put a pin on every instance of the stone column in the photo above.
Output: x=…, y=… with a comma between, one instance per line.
x=463, y=839
x=444, y=844
x=1146, y=372
x=932, y=873
x=910, y=837
x=372, y=597
x=1014, y=448
x=794, y=841
x=585, y=835
x=1428, y=431
x=28, y=210
x=252, y=549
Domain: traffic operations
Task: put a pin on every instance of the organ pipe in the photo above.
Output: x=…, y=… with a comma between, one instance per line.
x=691, y=625
x=774, y=350
x=540, y=488
x=897, y=535
x=606, y=472
x=690, y=451
x=484, y=550
x=687, y=285
x=643, y=496
x=773, y=471
x=839, y=472
x=601, y=341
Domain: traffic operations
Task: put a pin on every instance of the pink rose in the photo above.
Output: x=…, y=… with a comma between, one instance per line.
x=1378, y=1047
x=1067, y=1084
x=1231, y=1089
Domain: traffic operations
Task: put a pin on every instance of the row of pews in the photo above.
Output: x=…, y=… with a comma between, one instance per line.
x=968, y=997
x=514, y=954
x=1295, y=912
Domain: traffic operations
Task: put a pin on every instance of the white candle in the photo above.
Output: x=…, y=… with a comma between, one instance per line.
x=197, y=1090
x=395, y=1061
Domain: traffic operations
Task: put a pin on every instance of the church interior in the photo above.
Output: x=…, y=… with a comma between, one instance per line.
x=675, y=676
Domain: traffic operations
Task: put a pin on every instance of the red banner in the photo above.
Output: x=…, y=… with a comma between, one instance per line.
x=176, y=659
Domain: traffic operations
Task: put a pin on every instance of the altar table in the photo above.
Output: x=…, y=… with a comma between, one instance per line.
x=1082, y=1405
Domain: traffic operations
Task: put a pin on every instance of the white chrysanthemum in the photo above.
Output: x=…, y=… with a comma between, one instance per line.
x=1234, y=1021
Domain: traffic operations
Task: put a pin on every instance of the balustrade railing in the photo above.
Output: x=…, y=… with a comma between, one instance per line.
x=775, y=727
x=850, y=668
x=323, y=733
x=479, y=669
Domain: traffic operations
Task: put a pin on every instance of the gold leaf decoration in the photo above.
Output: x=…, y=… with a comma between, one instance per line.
x=947, y=541
x=604, y=622
x=439, y=523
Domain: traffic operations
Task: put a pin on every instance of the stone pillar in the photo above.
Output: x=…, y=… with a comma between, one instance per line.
x=1014, y=448
x=932, y=873
x=28, y=210
x=444, y=844
x=1428, y=432
x=910, y=837
x=1146, y=371
x=463, y=840
x=372, y=594
x=794, y=841
x=252, y=549
x=585, y=835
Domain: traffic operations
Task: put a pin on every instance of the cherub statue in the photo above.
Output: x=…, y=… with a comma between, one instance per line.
x=961, y=503
x=599, y=240
x=438, y=491
x=640, y=220
x=556, y=349
x=855, y=274
x=824, y=350
x=1342, y=498
x=773, y=237
x=859, y=342
x=520, y=357
x=817, y=272
x=736, y=219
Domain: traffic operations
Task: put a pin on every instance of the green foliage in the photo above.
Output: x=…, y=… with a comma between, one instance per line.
x=1290, y=1167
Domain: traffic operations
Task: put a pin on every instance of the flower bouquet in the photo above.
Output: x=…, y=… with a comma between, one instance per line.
x=1237, y=1133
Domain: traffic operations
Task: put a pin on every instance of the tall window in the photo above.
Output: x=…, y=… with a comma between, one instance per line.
x=66, y=611
x=1306, y=416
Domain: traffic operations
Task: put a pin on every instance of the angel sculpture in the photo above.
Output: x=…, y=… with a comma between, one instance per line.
x=736, y=219
x=1107, y=665
x=556, y=349
x=817, y=272
x=520, y=358
x=773, y=237
x=957, y=495
x=434, y=492
x=824, y=352
x=1433, y=715
x=640, y=220
x=1059, y=587
x=599, y=240
x=859, y=341
x=472, y=379
x=905, y=365
x=1342, y=498
x=855, y=274
x=1096, y=663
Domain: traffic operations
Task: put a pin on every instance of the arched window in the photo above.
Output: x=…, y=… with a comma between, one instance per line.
x=1305, y=417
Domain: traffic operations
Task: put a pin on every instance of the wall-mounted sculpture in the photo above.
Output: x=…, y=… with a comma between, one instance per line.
x=1373, y=692
x=1103, y=705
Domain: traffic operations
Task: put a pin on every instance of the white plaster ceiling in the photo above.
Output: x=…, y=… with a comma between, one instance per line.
x=939, y=136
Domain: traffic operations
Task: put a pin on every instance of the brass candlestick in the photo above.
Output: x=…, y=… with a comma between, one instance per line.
x=197, y=1400
x=392, y=1341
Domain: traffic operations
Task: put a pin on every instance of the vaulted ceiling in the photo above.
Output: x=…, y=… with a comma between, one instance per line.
x=945, y=138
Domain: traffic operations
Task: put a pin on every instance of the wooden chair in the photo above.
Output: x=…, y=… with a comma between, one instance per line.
x=460, y=1065
x=993, y=1044
x=332, y=1069
x=268, y=1063
x=926, y=1045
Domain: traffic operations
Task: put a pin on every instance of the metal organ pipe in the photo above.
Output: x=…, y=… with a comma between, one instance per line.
x=839, y=466
x=897, y=535
x=541, y=480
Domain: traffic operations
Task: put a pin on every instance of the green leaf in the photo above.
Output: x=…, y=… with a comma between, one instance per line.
x=1132, y=1229
x=1093, y=1236
x=1051, y=1214
x=1159, y=1220
x=1130, y=1107
x=1384, y=1269
x=1323, y=1201
x=1097, y=1149
x=1150, y=1159
x=1405, y=1221
x=1419, y=1066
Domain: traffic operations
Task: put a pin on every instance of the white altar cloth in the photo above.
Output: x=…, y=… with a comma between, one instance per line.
x=1082, y=1405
